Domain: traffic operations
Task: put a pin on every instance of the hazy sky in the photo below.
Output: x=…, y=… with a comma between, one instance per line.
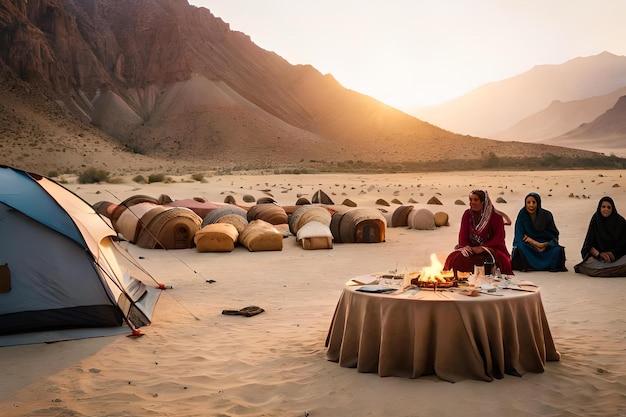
x=409, y=53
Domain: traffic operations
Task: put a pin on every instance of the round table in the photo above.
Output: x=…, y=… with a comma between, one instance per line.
x=443, y=332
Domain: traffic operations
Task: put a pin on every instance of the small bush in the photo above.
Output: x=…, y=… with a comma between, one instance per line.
x=93, y=175
x=140, y=179
x=198, y=177
x=156, y=178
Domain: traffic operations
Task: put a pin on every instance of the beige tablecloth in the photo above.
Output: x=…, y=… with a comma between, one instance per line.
x=445, y=333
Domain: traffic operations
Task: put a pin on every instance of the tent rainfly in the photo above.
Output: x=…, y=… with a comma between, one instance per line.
x=61, y=264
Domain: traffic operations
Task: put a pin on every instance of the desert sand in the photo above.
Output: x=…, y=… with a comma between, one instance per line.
x=194, y=361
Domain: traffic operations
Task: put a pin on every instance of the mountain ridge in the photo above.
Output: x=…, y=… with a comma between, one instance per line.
x=560, y=117
x=172, y=85
x=504, y=103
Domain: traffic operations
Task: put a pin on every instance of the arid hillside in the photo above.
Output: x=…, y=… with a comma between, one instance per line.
x=162, y=85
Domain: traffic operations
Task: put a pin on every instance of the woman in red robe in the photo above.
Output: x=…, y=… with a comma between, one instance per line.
x=481, y=237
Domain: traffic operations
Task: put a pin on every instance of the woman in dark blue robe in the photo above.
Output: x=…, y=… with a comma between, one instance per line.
x=536, y=242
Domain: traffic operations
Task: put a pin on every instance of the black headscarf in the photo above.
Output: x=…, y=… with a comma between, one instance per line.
x=606, y=234
x=543, y=218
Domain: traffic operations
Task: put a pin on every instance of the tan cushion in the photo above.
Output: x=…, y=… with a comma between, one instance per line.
x=260, y=235
x=441, y=219
x=127, y=224
x=236, y=220
x=216, y=237
x=305, y=214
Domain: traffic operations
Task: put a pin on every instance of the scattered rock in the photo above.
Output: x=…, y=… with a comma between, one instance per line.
x=382, y=202
x=434, y=200
x=500, y=200
x=459, y=202
x=249, y=198
x=349, y=203
x=396, y=201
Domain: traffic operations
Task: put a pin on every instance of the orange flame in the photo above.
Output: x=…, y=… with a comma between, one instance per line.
x=433, y=273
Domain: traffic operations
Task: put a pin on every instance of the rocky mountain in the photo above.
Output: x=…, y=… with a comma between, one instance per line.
x=492, y=108
x=560, y=117
x=608, y=129
x=156, y=82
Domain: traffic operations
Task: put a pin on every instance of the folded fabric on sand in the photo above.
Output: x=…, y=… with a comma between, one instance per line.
x=596, y=268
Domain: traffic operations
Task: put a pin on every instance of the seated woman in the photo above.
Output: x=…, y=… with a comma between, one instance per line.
x=481, y=237
x=605, y=243
x=536, y=241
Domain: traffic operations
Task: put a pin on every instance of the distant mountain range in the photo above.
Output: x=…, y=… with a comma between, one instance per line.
x=165, y=80
x=545, y=104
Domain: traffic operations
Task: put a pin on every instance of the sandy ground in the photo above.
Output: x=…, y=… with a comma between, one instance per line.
x=194, y=361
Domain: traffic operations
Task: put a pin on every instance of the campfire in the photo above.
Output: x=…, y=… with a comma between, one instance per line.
x=433, y=276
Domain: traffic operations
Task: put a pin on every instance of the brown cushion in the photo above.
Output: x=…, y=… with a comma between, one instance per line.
x=400, y=216
x=168, y=228
x=271, y=213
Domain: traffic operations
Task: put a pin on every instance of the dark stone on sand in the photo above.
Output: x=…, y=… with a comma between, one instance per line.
x=434, y=200
x=382, y=202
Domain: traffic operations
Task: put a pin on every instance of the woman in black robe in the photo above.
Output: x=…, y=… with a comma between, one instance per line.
x=605, y=243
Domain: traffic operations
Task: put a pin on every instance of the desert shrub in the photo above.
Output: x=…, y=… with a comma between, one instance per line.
x=53, y=174
x=93, y=175
x=156, y=178
x=140, y=179
x=198, y=177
